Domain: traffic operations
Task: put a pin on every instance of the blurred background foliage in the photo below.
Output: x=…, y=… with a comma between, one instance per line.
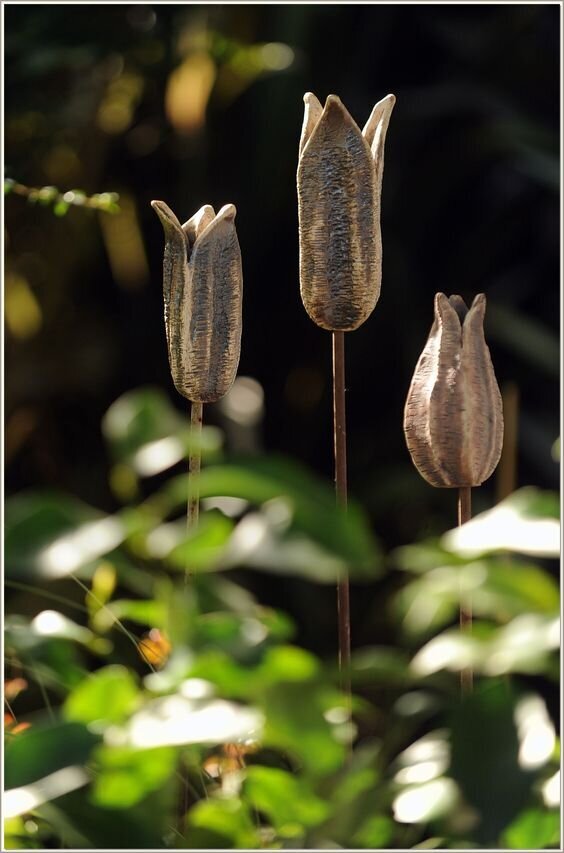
x=109, y=108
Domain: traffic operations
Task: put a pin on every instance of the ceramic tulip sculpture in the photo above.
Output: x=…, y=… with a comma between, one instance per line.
x=453, y=418
x=203, y=287
x=339, y=182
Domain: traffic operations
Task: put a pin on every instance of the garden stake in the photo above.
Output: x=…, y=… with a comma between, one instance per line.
x=340, y=440
x=339, y=180
x=453, y=417
x=464, y=515
x=203, y=289
x=194, y=465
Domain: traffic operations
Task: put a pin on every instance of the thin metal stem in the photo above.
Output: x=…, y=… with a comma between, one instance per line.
x=194, y=464
x=340, y=443
x=464, y=515
x=192, y=518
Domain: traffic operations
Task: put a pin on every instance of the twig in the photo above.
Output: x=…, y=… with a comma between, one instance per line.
x=340, y=441
x=464, y=515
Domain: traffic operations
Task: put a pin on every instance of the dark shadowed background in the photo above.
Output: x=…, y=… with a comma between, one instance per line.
x=199, y=104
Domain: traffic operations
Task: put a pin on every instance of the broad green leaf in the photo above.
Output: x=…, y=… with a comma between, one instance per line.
x=526, y=644
x=425, y=802
x=151, y=613
x=424, y=556
x=289, y=664
x=146, y=432
x=533, y=829
x=49, y=536
x=202, y=548
x=226, y=824
x=300, y=501
x=176, y=720
x=295, y=722
x=108, y=696
x=43, y=749
x=95, y=827
x=518, y=587
x=485, y=758
x=526, y=522
x=124, y=776
x=375, y=833
x=259, y=541
x=284, y=799
x=381, y=664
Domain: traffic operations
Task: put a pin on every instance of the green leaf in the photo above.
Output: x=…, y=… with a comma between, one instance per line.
x=151, y=613
x=145, y=431
x=108, y=696
x=533, y=829
x=94, y=827
x=380, y=664
x=49, y=536
x=220, y=824
x=526, y=522
x=289, y=664
x=375, y=833
x=284, y=799
x=44, y=749
x=203, y=547
x=125, y=776
x=177, y=720
x=295, y=722
x=301, y=501
x=485, y=758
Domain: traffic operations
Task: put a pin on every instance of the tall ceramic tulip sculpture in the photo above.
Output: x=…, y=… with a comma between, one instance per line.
x=453, y=419
x=339, y=180
x=203, y=287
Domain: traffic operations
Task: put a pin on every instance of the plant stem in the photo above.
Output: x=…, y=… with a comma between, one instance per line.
x=340, y=443
x=464, y=515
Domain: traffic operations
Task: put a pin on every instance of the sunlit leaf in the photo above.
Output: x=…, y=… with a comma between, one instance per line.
x=124, y=776
x=42, y=535
x=533, y=829
x=295, y=722
x=107, y=696
x=145, y=431
x=43, y=749
x=175, y=720
x=301, y=501
x=202, y=548
x=375, y=833
x=525, y=522
x=28, y=798
x=485, y=758
x=225, y=824
x=381, y=664
x=283, y=798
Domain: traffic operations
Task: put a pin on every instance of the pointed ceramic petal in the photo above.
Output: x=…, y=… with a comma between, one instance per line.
x=198, y=223
x=453, y=417
x=312, y=114
x=340, y=245
x=482, y=395
x=374, y=132
x=212, y=339
x=175, y=284
x=431, y=417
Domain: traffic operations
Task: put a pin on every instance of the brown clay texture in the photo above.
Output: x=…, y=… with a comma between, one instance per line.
x=339, y=182
x=453, y=418
x=203, y=288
